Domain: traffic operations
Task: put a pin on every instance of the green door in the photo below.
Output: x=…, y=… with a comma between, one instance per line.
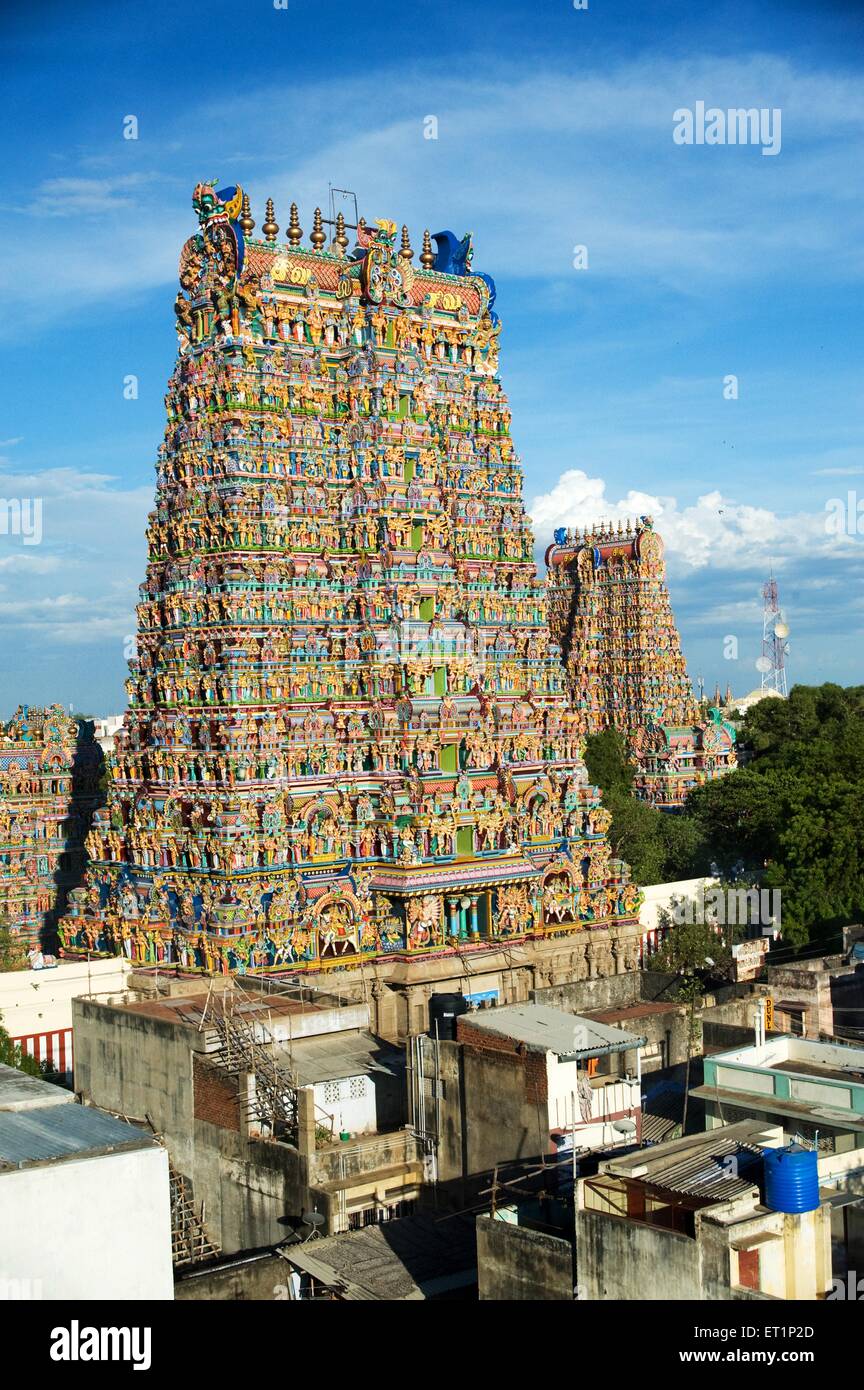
x=465, y=839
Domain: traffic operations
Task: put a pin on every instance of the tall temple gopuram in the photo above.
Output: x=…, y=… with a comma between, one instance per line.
x=610, y=612
x=348, y=738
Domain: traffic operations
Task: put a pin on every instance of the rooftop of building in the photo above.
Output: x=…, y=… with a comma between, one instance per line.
x=415, y=1257
x=276, y=1015
x=18, y=1091
x=705, y=1166
x=645, y=1008
x=544, y=1029
x=342, y=1055
x=794, y=1078
x=37, y=1127
x=798, y=1056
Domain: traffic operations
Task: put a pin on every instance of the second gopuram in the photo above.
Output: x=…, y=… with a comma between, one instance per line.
x=609, y=609
x=348, y=736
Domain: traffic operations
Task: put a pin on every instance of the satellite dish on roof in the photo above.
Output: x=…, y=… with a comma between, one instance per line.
x=313, y=1219
x=624, y=1126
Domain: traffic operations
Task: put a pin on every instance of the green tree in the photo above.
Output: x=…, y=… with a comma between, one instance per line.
x=693, y=951
x=659, y=847
x=11, y=1055
x=13, y=956
x=608, y=762
x=792, y=813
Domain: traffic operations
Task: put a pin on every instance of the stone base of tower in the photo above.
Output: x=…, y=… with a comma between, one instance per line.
x=398, y=992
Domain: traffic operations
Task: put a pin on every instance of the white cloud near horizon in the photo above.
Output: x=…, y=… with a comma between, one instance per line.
x=712, y=531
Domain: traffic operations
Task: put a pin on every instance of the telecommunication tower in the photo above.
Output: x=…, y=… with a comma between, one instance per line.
x=775, y=631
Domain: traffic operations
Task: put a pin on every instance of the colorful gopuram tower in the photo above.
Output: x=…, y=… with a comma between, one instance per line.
x=610, y=611
x=348, y=736
x=37, y=756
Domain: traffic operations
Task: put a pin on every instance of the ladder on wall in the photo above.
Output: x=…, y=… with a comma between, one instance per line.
x=190, y=1243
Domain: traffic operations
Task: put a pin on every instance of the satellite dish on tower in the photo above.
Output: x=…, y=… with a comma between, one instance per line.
x=763, y=664
x=781, y=630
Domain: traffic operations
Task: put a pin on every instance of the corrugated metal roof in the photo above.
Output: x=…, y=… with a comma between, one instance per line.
x=712, y=1174
x=342, y=1055
x=718, y=1164
x=402, y=1260
x=553, y=1030
x=62, y=1131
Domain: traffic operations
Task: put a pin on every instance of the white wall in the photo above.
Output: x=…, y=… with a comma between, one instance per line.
x=606, y=1100
x=351, y=1102
x=40, y=1001
x=659, y=895
x=90, y=1228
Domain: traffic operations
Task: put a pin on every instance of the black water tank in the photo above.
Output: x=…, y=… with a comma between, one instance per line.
x=444, y=1009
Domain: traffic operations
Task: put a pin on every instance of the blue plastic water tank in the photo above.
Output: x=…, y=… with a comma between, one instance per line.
x=791, y=1179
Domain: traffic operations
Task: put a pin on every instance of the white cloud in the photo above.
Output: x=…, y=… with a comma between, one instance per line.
x=713, y=530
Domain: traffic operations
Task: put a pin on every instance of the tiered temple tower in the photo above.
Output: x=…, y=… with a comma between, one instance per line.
x=348, y=735
x=37, y=756
x=610, y=611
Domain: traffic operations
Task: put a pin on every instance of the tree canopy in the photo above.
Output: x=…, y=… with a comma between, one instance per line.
x=659, y=848
x=793, y=810
x=790, y=815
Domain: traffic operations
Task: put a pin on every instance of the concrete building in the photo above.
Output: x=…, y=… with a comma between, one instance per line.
x=271, y=1105
x=84, y=1200
x=679, y=1221
x=581, y=1078
x=106, y=730
x=36, y=1005
x=521, y=1083
x=812, y=1089
x=685, y=1221
x=660, y=898
x=819, y=998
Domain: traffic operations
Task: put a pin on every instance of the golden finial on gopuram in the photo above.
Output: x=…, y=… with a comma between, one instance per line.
x=427, y=255
x=295, y=231
x=340, y=240
x=270, y=226
x=317, y=236
x=406, y=250
x=247, y=221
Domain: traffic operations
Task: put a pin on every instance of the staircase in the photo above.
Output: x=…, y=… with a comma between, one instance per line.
x=274, y=1103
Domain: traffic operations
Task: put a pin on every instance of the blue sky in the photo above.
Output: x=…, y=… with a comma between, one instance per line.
x=554, y=131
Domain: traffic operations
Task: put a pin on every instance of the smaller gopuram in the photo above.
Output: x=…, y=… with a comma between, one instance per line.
x=37, y=760
x=609, y=609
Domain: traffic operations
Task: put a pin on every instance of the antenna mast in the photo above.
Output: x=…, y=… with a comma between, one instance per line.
x=772, y=662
